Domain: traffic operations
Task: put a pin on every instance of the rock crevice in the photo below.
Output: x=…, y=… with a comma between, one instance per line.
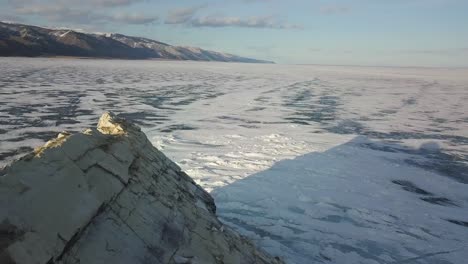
x=108, y=196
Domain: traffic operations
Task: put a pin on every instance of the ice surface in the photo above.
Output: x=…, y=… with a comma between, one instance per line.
x=318, y=164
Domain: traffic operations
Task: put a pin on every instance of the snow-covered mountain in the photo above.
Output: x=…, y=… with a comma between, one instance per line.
x=31, y=41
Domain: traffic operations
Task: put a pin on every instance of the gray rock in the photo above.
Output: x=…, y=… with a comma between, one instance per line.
x=108, y=196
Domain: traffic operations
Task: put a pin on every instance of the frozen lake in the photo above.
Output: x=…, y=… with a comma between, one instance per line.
x=318, y=164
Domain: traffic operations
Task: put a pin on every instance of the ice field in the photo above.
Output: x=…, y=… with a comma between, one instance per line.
x=317, y=164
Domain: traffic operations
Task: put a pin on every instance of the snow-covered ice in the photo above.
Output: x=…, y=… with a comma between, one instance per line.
x=318, y=164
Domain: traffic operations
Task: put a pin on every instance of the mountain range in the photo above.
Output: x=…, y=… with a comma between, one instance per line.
x=33, y=41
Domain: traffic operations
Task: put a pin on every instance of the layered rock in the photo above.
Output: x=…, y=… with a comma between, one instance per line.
x=108, y=196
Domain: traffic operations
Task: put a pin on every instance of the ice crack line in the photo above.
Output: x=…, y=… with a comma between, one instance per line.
x=410, y=260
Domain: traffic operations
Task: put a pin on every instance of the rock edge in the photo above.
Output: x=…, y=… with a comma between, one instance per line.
x=106, y=195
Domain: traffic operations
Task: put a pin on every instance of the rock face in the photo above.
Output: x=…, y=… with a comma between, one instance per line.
x=108, y=196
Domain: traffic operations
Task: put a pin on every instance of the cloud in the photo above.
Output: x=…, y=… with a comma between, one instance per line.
x=110, y=3
x=60, y=13
x=42, y=9
x=10, y=18
x=251, y=22
x=73, y=3
x=93, y=12
x=334, y=9
x=134, y=18
x=182, y=15
x=187, y=16
x=85, y=14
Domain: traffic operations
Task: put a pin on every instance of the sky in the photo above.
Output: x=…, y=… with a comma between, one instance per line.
x=430, y=33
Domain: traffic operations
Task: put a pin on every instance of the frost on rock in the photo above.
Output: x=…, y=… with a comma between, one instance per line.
x=108, y=196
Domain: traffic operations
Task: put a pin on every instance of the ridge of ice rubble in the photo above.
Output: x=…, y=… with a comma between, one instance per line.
x=108, y=196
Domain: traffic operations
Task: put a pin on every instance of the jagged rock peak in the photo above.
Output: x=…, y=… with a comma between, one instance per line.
x=113, y=125
x=108, y=196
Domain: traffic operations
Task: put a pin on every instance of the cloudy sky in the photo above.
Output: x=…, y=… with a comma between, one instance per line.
x=343, y=32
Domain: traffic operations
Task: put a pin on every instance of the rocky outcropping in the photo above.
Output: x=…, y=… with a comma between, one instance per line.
x=108, y=196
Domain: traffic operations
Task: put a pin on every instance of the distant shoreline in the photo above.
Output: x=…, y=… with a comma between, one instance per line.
x=129, y=59
x=32, y=41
